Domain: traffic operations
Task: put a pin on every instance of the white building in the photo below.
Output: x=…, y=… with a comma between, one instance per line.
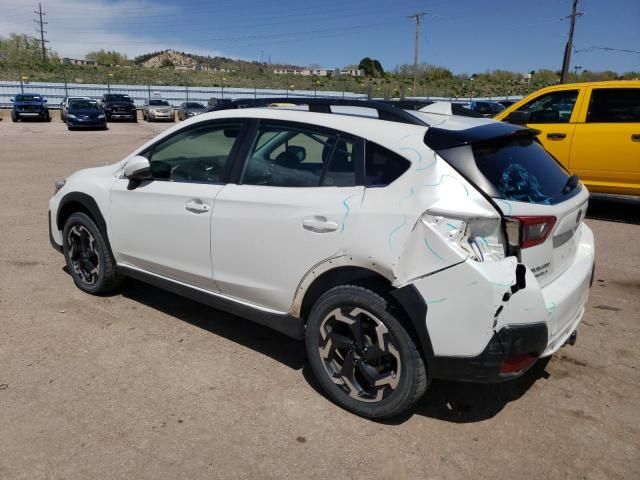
x=320, y=72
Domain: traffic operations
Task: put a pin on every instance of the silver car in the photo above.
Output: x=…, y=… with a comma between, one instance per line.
x=190, y=109
x=157, y=109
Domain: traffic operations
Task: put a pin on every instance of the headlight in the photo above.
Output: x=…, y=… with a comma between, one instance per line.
x=101, y=116
x=58, y=185
x=71, y=116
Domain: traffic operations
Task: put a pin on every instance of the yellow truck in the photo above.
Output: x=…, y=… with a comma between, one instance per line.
x=593, y=129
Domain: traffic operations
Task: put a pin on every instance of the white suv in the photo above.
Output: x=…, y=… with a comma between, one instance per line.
x=402, y=248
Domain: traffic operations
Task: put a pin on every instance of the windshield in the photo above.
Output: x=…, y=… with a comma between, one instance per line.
x=28, y=98
x=514, y=168
x=194, y=105
x=118, y=98
x=158, y=103
x=84, y=105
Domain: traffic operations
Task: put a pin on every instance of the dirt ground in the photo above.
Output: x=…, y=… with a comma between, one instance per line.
x=145, y=384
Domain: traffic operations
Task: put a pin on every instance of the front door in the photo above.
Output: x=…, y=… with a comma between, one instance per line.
x=290, y=211
x=164, y=225
x=554, y=114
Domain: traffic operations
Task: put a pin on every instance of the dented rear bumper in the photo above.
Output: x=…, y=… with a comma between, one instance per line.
x=480, y=315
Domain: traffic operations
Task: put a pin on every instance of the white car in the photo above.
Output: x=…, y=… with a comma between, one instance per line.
x=402, y=248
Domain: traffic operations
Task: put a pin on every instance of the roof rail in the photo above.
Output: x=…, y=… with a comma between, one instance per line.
x=323, y=105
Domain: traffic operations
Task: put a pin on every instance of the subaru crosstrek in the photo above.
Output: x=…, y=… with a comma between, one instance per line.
x=402, y=248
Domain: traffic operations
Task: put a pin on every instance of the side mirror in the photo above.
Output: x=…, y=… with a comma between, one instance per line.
x=12, y=99
x=44, y=100
x=136, y=170
x=519, y=117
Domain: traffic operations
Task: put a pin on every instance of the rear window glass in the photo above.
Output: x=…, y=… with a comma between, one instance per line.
x=516, y=169
x=614, y=106
x=382, y=166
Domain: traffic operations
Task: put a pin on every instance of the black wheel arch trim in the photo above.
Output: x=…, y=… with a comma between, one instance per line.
x=87, y=202
x=415, y=308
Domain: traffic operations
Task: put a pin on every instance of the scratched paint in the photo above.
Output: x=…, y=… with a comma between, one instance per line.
x=432, y=250
x=437, y=300
x=395, y=230
x=347, y=211
x=442, y=177
x=406, y=197
x=507, y=204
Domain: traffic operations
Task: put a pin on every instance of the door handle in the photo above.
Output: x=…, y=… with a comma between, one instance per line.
x=197, y=206
x=319, y=224
x=556, y=136
x=635, y=137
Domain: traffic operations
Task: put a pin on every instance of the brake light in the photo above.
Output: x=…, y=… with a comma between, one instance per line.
x=531, y=230
x=517, y=363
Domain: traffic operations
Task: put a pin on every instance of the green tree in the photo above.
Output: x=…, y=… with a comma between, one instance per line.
x=107, y=57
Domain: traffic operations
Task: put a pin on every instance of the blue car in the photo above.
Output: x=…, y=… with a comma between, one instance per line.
x=30, y=105
x=84, y=113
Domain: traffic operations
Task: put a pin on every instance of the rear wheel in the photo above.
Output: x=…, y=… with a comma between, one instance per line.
x=89, y=260
x=362, y=356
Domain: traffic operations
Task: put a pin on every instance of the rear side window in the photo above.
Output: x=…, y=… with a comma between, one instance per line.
x=382, y=166
x=516, y=169
x=288, y=156
x=613, y=105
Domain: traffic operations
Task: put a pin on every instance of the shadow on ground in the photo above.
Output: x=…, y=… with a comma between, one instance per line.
x=448, y=401
x=268, y=342
x=614, y=208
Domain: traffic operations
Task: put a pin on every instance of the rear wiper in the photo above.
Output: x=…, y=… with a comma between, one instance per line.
x=572, y=183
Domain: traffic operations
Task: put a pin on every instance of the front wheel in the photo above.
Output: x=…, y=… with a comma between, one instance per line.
x=362, y=356
x=14, y=117
x=88, y=257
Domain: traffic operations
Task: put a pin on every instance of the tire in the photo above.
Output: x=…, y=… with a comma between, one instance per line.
x=14, y=117
x=88, y=257
x=348, y=366
x=46, y=117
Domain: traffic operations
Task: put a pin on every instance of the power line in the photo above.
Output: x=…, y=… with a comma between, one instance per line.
x=417, y=17
x=42, y=31
x=608, y=49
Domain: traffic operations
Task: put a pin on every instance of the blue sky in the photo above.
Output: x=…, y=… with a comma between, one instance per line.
x=463, y=35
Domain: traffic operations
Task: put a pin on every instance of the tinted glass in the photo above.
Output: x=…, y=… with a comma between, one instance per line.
x=83, y=105
x=159, y=103
x=117, y=98
x=517, y=169
x=614, y=105
x=28, y=98
x=382, y=166
x=193, y=105
x=555, y=107
x=199, y=154
x=292, y=157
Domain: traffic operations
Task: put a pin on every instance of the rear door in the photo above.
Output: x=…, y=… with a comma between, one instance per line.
x=290, y=210
x=606, y=145
x=554, y=114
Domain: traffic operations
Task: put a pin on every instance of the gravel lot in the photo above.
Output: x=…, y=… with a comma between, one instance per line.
x=145, y=384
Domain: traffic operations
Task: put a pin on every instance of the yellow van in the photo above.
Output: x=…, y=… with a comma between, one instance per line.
x=593, y=129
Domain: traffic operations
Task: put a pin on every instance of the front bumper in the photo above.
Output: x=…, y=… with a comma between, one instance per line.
x=161, y=115
x=57, y=247
x=88, y=122
x=121, y=114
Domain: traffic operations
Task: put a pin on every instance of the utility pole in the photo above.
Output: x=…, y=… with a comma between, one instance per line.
x=567, y=49
x=417, y=16
x=42, y=31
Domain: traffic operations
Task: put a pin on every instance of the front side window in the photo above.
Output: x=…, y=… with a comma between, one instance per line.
x=284, y=156
x=200, y=154
x=614, y=105
x=555, y=107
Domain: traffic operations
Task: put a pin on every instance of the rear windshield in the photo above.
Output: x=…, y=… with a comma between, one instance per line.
x=515, y=168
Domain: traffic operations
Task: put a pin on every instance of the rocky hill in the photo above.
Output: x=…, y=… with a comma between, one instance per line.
x=169, y=58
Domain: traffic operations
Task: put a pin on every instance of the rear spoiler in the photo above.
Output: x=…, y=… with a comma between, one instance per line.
x=440, y=138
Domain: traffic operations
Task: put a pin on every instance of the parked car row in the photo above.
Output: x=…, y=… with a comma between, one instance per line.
x=112, y=106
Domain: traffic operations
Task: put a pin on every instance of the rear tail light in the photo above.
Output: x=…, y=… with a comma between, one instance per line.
x=528, y=231
x=518, y=363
